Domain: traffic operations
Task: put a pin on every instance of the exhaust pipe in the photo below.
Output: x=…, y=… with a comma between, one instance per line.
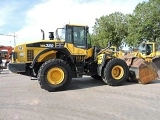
x=43, y=35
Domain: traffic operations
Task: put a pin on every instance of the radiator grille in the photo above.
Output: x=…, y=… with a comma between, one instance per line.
x=30, y=55
x=79, y=58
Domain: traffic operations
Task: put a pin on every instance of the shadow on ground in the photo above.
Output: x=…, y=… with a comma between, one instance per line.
x=82, y=83
x=88, y=82
x=155, y=81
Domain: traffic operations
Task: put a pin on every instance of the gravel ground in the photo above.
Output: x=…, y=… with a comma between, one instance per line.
x=85, y=99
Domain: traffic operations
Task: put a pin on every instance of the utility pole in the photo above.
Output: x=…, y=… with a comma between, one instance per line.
x=14, y=36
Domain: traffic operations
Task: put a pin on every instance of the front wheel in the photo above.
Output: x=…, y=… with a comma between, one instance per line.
x=116, y=72
x=54, y=75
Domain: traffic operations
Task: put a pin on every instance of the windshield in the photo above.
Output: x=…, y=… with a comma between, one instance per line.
x=79, y=36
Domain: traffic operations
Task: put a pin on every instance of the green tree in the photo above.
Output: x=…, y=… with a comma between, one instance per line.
x=144, y=23
x=110, y=28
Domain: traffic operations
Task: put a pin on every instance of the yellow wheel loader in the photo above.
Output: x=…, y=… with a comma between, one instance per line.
x=144, y=64
x=56, y=61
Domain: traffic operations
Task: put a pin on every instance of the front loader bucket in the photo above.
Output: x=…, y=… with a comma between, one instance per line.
x=142, y=71
x=147, y=74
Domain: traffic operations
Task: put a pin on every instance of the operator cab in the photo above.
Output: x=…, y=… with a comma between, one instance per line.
x=145, y=48
x=76, y=35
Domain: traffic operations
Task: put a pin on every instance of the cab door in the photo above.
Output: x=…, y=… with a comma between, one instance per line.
x=76, y=40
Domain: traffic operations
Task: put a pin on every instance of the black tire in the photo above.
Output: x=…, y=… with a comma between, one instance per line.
x=121, y=72
x=48, y=81
x=97, y=77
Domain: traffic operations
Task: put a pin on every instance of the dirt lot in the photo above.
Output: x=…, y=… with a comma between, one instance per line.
x=85, y=99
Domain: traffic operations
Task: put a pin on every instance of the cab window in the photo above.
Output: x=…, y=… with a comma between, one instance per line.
x=79, y=37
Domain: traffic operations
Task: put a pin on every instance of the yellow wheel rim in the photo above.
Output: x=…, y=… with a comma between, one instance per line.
x=55, y=76
x=117, y=72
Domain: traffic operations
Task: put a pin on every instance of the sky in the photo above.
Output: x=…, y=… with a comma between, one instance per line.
x=21, y=20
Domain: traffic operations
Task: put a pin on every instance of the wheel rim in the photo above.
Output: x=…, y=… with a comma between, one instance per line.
x=55, y=76
x=117, y=72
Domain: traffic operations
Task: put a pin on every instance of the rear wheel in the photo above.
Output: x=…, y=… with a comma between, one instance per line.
x=116, y=72
x=54, y=75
